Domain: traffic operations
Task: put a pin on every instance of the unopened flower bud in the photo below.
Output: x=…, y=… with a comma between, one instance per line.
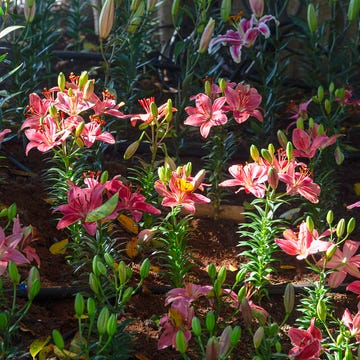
x=300, y=123
x=225, y=10
x=224, y=341
x=340, y=93
x=309, y=223
x=170, y=163
x=104, y=177
x=53, y=111
x=254, y=153
x=246, y=311
x=348, y=354
x=106, y=18
x=320, y=93
x=102, y=320
x=79, y=129
x=289, y=298
x=188, y=168
x=241, y=294
x=196, y=326
x=257, y=7
x=211, y=271
x=339, y=339
x=33, y=275
x=311, y=18
x=321, y=310
x=83, y=79
x=180, y=341
x=330, y=252
x=61, y=81
x=79, y=305
x=330, y=217
x=271, y=149
x=145, y=268
x=136, y=18
x=169, y=111
x=282, y=139
x=131, y=150
x=13, y=273
x=327, y=105
x=350, y=226
x=127, y=295
x=353, y=10
x=154, y=110
x=235, y=335
x=339, y=155
x=222, y=275
x=111, y=325
x=210, y=321
x=273, y=178
x=109, y=260
x=289, y=150
x=206, y=36
x=94, y=283
x=212, y=348
x=29, y=11
x=34, y=289
x=258, y=336
x=122, y=272
x=340, y=228
x=266, y=155
x=58, y=339
x=90, y=306
x=88, y=89
x=222, y=84
x=4, y=321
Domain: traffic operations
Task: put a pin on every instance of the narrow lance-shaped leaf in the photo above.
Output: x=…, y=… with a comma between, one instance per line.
x=104, y=210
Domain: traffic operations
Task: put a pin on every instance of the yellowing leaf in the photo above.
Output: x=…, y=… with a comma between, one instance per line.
x=59, y=247
x=65, y=354
x=141, y=356
x=104, y=210
x=155, y=268
x=357, y=189
x=232, y=268
x=131, y=249
x=287, y=267
x=128, y=223
x=38, y=345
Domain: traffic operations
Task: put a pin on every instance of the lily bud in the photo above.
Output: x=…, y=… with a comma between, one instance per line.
x=122, y=272
x=61, y=81
x=273, y=178
x=330, y=217
x=207, y=88
x=79, y=305
x=94, y=283
x=282, y=139
x=222, y=84
x=300, y=123
x=339, y=155
x=196, y=326
x=128, y=293
x=210, y=321
x=29, y=11
x=309, y=223
x=327, y=106
x=188, y=168
x=340, y=228
x=212, y=349
x=136, y=18
x=254, y=153
x=83, y=79
x=258, y=336
x=111, y=325
x=53, y=111
x=222, y=275
x=320, y=93
x=235, y=335
x=102, y=321
x=104, y=177
x=225, y=10
x=131, y=150
x=311, y=18
x=180, y=341
x=321, y=310
x=289, y=150
x=4, y=321
x=79, y=129
x=88, y=89
x=266, y=155
x=13, y=273
x=206, y=36
x=145, y=268
x=91, y=306
x=257, y=7
x=351, y=226
x=58, y=339
x=211, y=271
x=106, y=19
x=330, y=252
x=224, y=341
x=289, y=298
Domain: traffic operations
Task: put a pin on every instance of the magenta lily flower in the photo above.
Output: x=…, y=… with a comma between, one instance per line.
x=180, y=191
x=251, y=178
x=134, y=202
x=300, y=183
x=344, y=262
x=179, y=318
x=302, y=244
x=3, y=134
x=35, y=111
x=92, y=132
x=354, y=287
x=206, y=114
x=357, y=204
x=8, y=251
x=189, y=293
x=81, y=202
x=243, y=101
x=306, y=343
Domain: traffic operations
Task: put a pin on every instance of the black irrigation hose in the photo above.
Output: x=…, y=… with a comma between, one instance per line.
x=58, y=293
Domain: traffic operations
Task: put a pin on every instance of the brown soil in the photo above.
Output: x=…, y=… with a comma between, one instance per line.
x=214, y=241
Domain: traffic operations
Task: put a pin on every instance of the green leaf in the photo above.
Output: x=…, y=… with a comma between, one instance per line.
x=9, y=29
x=104, y=210
x=38, y=345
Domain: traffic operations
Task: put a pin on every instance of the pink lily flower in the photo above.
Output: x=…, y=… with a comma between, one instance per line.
x=352, y=323
x=8, y=251
x=73, y=103
x=306, y=343
x=302, y=244
x=357, y=204
x=180, y=191
x=243, y=101
x=206, y=114
x=347, y=99
x=307, y=144
x=179, y=318
x=81, y=202
x=190, y=293
x=46, y=136
x=35, y=111
x=300, y=183
x=134, y=202
x=107, y=106
x=3, y=133
x=92, y=132
x=300, y=111
x=344, y=262
x=354, y=287
x=257, y=7
x=251, y=178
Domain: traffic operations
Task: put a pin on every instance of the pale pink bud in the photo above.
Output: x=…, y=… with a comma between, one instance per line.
x=257, y=7
x=258, y=336
x=29, y=11
x=106, y=19
x=206, y=36
x=212, y=349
